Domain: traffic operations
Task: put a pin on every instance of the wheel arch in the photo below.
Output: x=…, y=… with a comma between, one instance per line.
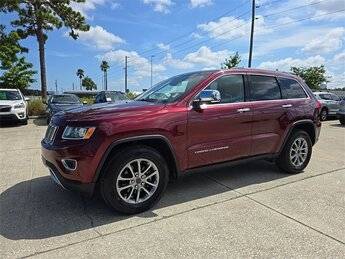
x=305, y=125
x=157, y=142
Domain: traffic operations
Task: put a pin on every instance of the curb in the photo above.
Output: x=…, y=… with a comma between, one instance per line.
x=38, y=117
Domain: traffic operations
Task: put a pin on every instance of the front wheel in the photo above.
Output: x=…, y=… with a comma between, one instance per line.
x=134, y=180
x=342, y=120
x=323, y=115
x=296, y=153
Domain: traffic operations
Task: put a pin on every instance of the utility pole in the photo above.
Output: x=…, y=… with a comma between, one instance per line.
x=106, y=80
x=73, y=86
x=56, y=87
x=126, y=68
x=152, y=56
x=251, y=35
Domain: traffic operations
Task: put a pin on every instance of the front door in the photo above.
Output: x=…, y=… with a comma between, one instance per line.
x=222, y=131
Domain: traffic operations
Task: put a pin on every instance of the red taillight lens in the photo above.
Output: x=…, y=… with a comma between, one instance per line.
x=318, y=105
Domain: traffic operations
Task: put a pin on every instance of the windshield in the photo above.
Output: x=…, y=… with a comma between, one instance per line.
x=9, y=95
x=64, y=99
x=116, y=96
x=172, y=89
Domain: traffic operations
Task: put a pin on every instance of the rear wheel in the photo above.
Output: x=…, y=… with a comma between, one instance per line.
x=296, y=153
x=134, y=180
x=323, y=114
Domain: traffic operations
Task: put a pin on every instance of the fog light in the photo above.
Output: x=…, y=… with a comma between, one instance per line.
x=69, y=164
x=21, y=114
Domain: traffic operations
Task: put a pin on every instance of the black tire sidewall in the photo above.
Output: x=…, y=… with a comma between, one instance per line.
x=108, y=181
x=321, y=114
x=284, y=161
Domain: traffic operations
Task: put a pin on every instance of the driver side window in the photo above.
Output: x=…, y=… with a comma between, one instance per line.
x=231, y=88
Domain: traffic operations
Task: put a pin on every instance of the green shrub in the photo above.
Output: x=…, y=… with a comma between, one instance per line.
x=36, y=107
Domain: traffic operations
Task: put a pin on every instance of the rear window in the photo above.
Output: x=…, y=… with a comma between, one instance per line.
x=263, y=88
x=291, y=89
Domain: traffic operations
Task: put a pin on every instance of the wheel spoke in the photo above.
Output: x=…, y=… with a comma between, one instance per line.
x=124, y=188
x=130, y=194
x=152, y=184
x=152, y=174
x=143, y=188
x=147, y=169
x=139, y=166
x=138, y=195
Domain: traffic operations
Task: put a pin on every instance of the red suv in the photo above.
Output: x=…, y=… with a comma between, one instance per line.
x=131, y=149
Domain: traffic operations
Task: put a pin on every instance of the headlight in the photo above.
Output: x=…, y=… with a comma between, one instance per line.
x=19, y=106
x=78, y=132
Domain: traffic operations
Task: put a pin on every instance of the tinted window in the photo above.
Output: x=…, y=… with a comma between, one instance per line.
x=291, y=89
x=10, y=95
x=231, y=88
x=65, y=99
x=335, y=97
x=264, y=88
x=325, y=96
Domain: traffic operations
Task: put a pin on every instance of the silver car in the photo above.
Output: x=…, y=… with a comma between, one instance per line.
x=330, y=104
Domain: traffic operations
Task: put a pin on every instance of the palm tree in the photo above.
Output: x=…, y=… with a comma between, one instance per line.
x=104, y=67
x=80, y=74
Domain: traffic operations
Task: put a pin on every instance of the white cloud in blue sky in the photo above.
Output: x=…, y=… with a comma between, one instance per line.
x=186, y=35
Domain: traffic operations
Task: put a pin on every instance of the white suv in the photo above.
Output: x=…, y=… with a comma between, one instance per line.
x=13, y=106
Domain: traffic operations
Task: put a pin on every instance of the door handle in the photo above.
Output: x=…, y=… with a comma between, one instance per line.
x=243, y=110
x=287, y=105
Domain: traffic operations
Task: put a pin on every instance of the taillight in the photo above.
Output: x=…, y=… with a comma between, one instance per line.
x=318, y=105
x=317, y=111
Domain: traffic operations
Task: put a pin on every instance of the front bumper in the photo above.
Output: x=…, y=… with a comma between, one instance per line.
x=86, y=189
x=13, y=115
x=341, y=114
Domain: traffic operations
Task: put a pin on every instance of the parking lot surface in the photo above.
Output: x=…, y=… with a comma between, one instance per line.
x=250, y=210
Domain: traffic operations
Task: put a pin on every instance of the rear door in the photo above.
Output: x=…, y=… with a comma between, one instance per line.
x=270, y=114
x=222, y=131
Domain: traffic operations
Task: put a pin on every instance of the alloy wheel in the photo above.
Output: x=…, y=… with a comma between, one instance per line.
x=137, y=181
x=299, y=152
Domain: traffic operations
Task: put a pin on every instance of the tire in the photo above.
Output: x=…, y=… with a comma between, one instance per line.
x=323, y=114
x=118, y=167
x=290, y=164
x=24, y=122
x=342, y=121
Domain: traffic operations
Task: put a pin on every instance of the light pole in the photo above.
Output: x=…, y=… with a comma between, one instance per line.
x=152, y=56
x=251, y=35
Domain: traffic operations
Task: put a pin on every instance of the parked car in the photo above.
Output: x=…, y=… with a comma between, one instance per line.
x=110, y=96
x=13, y=106
x=61, y=102
x=195, y=120
x=341, y=112
x=330, y=104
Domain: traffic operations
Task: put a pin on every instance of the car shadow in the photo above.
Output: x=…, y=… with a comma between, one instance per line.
x=38, y=209
x=10, y=124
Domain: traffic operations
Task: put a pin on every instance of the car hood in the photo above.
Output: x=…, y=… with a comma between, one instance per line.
x=57, y=107
x=105, y=111
x=10, y=103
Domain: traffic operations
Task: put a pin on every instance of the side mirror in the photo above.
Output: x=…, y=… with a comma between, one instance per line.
x=108, y=99
x=44, y=101
x=26, y=99
x=206, y=97
x=84, y=102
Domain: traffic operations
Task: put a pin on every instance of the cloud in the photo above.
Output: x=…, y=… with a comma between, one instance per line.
x=339, y=58
x=200, y=3
x=229, y=27
x=177, y=63
x=163, y=46
x=287, y=63
x=161, y=6
x=91, y=5
x=326, y=43
x=140, y=65
x=99, y=38
x=323, y=7
x=204, y=56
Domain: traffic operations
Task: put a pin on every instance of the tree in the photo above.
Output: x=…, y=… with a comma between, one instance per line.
x=17, y=73
x=313, y=76
x=37, y=17
x=104, y=67
x=80, y=74
x=233, y=61
x=89, y=84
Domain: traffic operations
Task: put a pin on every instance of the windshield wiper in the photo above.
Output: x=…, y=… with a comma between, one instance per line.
x=151, y=100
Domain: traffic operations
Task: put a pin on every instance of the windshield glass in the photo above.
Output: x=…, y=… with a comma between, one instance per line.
x=64, y=99
x=9, y=95
x=116, y=96
x=172, y=89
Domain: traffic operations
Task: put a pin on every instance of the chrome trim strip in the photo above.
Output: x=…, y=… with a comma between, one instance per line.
x=210, y=150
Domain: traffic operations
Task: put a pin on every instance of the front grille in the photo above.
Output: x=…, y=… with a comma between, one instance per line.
x=5, y=108
x=50, y=133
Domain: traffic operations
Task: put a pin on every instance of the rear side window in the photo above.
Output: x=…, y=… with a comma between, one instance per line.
x=291, y=89
x=263, y=88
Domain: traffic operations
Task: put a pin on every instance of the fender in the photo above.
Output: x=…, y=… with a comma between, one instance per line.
x=292, y=127
x=130, y=139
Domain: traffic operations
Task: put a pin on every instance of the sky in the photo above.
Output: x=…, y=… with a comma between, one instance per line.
x=188, y=35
